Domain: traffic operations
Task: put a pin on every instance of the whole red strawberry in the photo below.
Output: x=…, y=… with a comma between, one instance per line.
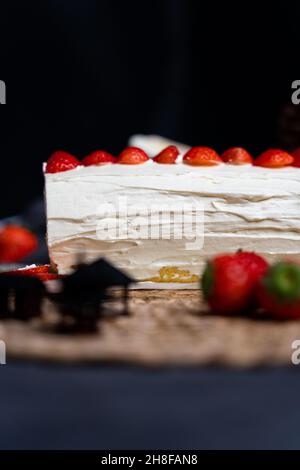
x=167, y=155
x=278, y=292
x=61, y=161
x=228, y=281
x=15, y=243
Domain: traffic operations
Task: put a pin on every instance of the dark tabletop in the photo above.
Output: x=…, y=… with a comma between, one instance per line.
x=109, y=407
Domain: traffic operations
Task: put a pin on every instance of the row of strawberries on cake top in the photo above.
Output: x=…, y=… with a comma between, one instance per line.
x=196, y=156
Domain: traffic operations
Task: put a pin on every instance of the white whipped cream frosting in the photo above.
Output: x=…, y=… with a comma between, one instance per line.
x=245, y=207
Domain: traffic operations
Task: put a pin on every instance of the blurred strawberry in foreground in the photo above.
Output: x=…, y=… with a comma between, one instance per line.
x=274, y=158
x=278, y=292
x=237, y=156
x=167, y=155
x=98, y=157
x=61, y=161
x=201, y=156
x=296, y=155
x=16, y=243
x=132, y=156
x=229, y=280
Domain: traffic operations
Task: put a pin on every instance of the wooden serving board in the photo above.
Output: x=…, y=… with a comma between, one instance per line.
x=165, y=327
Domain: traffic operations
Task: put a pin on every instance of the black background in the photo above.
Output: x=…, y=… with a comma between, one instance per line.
x=82, y=75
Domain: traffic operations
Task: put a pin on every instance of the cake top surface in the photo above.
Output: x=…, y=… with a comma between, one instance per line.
x=154, y=169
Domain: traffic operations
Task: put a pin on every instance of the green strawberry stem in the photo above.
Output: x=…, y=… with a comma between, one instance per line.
x=208, y=280
x=283, y=281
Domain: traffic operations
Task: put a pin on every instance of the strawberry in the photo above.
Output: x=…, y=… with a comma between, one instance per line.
x=15, y=243
x=201, y=156
x=99, y=157
x=256, y=265
x=228, y=281
x=42, y=272
x=278, y=292
x=237, y=156
x=296, y=155
x=167, y=155
x=132, y=156
x=41, y=269
x=61, y=161
x=274, y=158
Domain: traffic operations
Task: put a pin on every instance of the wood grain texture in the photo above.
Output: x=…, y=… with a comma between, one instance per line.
x=164, y=328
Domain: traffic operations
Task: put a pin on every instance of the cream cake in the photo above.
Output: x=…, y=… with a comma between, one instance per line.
x=243, y=207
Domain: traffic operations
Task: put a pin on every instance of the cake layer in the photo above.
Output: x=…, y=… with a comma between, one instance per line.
x=246, y=207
